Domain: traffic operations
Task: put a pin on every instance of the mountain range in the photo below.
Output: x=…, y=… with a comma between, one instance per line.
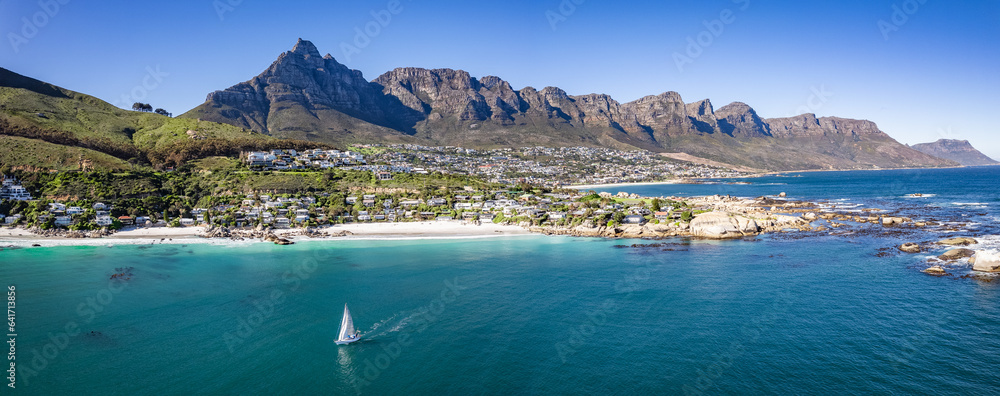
x=960, y=151
x=305, y=95
x=304, y=99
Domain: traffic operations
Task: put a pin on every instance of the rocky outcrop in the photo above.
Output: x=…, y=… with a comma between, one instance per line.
x=936, y=270
x=62, y=233
x=266, y=234
x=986, y=261
x=722, y=225
x=958, y=242
x=910, y=247
x=889, y=221
x=960, y=151
x=955, y=254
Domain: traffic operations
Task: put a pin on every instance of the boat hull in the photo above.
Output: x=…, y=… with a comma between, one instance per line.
x=345, y=342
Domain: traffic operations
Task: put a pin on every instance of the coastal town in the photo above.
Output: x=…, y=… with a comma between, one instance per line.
x=533, y=181
x=543, y=166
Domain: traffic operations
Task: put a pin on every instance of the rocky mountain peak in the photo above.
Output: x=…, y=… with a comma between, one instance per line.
x=701, y=108
x=738, y=119
x=960, y=151
x=305, y=47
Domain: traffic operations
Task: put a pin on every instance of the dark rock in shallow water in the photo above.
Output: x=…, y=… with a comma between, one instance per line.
x=935, y=270
x=955, y=254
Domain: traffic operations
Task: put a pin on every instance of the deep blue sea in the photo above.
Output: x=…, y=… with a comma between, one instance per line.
x=836, y=312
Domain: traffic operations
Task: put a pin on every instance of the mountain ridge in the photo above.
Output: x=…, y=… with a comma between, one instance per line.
x=305, y=96
x=960, y=151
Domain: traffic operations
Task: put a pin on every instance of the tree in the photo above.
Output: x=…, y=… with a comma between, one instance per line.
x=162, y=112
x=147, y=107
x=656, y=205
x=137, y=106
x=686, y=216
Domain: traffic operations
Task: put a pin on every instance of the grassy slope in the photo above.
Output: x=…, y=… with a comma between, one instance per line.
x=32, y=105
x=33, y=153
x=157, y=131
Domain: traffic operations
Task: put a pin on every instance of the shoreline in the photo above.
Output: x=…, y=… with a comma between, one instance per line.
x=19, y=237
x=593, y=186
x=698, y=180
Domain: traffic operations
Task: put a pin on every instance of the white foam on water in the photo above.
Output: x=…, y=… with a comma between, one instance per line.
x=978, y=204
x=987, y=242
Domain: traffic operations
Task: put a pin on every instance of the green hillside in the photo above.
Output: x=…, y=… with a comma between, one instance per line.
x=34, y=154
x=65, y=129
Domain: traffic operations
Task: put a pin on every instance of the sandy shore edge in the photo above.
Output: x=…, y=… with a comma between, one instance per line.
x=186, y=235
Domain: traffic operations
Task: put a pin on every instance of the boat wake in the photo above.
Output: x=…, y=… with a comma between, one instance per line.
x=390, y=325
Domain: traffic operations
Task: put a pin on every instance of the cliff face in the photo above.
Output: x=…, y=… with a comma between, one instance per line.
x=960, y=151
x=306, y=96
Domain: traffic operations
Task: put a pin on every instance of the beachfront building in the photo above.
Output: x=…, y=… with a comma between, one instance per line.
x=10, y=189
x=103, y=220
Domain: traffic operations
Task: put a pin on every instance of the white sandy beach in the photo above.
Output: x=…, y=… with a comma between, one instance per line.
x=185, y=235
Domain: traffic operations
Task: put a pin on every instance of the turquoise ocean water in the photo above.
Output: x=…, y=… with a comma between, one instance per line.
x=777, y=314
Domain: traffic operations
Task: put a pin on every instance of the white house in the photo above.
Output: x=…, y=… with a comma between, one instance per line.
x=103, y=220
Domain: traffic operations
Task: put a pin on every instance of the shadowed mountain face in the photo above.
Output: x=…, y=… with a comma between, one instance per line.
x=956, y=150
x=303, y=95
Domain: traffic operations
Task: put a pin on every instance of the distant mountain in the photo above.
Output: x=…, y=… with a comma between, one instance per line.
x=307, y=96
x=956, y=150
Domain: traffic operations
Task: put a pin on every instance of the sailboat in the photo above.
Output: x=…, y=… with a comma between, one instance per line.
x=347, y=333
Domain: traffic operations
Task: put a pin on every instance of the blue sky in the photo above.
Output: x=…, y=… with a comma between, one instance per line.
x=921, y=69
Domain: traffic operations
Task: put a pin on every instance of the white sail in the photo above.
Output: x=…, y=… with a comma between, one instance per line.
x=346, y=325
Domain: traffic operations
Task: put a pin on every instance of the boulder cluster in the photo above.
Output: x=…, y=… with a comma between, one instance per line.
x=267, y=234
x=60, y=233
x=981, y=260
